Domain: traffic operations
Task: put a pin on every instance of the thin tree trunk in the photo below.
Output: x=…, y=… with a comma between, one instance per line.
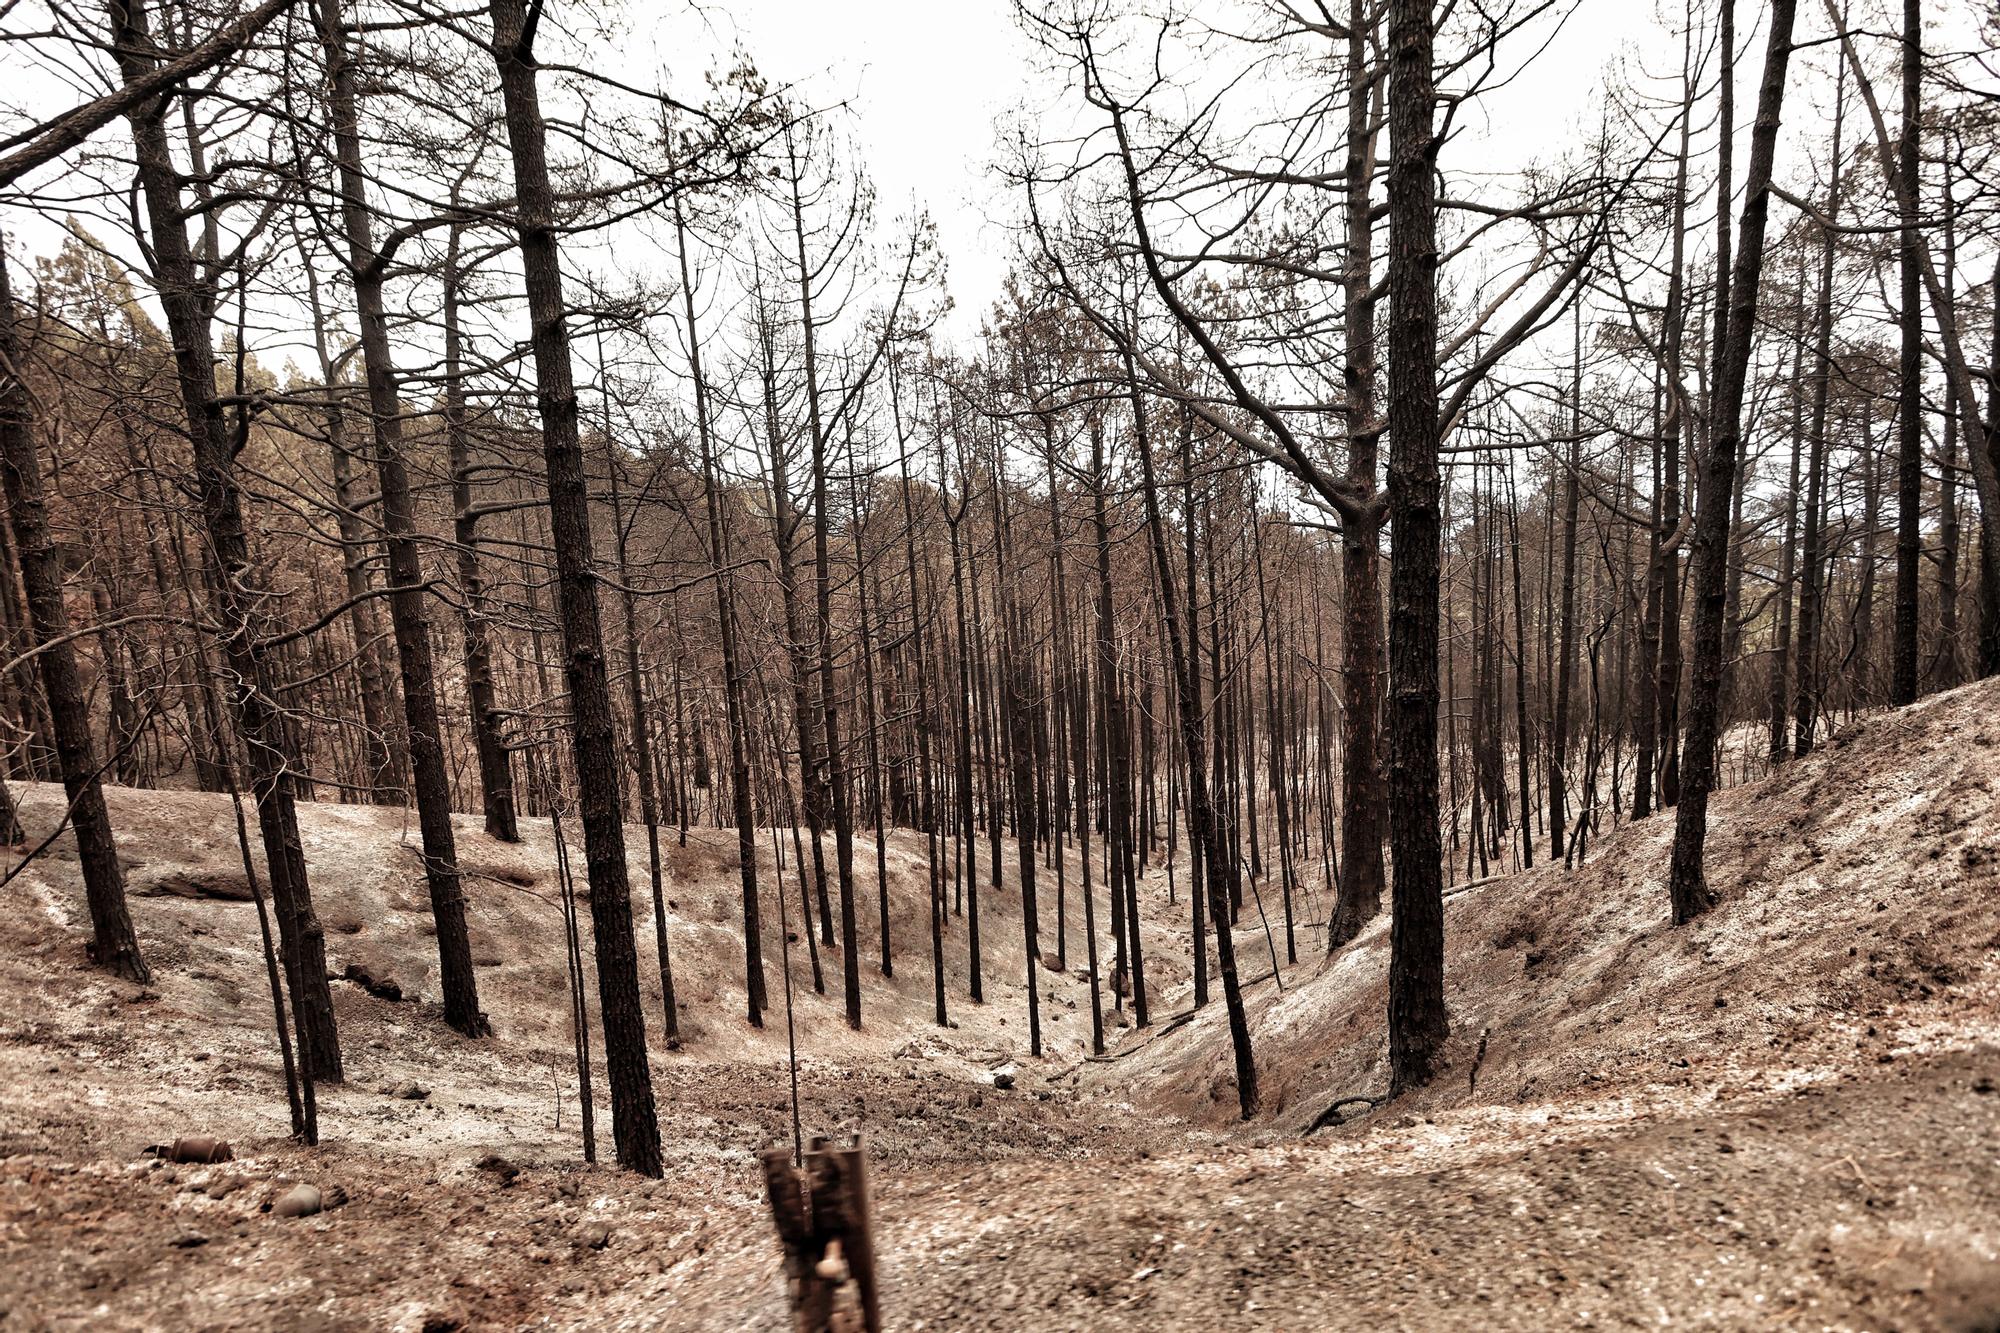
x=642, y=739
x=1201, y=819
x=1566, y=635
x=489, y=743
x=429, y=780
x=1687, y=888
x=1806, y=698
x=927, y=795
x=1989, y=553
x=829, y=704
x=1909, y=396
x=1781, y=645
x=114, y=943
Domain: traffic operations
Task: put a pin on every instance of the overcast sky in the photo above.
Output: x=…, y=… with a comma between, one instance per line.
x=928, y=82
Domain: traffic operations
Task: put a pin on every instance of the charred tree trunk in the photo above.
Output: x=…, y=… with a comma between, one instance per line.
x=1201, y=815
x=635, y=1126
x=430, y=782
x=1687, y=888
x=114, y=943
x=1909, y=378
x=1566, y=634
x=188, y=304
x=1812, y=561
x=642, y=738
x=489, y=743
x=733, y=702
x=1417, y=1021
x=836, y=785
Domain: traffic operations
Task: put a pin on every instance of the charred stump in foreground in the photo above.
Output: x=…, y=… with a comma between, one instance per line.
x=823, y=1222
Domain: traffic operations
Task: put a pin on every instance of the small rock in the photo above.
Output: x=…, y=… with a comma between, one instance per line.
x=1003, y=1077
x=410, y=1091
x=975, y=1098
x=226, y=1186
x=499, y=1166
x=373, y=980
x=298, y=1201
x=188, y=1240
x=592, y=1233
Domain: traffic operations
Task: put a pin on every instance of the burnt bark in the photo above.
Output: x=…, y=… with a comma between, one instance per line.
x=635, y=1125
x=1687, y=888
x=489, y=739
x=114, y=943
x=1418, y=1023
x=429, y=780
x=187, y=302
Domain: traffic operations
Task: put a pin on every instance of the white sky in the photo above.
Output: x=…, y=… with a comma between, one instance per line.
x=929, y=81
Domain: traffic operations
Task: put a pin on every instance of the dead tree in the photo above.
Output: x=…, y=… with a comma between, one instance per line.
x=635, y=1124
x=114, y=943
x=1687, y=888
x=430, y=781
x=186, y=299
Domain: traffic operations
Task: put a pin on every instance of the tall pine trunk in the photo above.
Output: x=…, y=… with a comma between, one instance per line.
x=1909, y=378
x=489, y=741
x=733, y=702
x=1417, y=1021
x=429, y=779
x=114, y=943
x=635, y=1125
x=186, y=302
x=1687, y=888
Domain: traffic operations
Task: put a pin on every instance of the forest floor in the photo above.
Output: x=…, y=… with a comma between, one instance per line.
x=1785, y=1115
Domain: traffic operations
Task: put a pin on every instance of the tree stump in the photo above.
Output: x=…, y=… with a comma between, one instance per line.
x=823, y=1222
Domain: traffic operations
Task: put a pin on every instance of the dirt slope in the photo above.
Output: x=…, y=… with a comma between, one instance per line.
x=1857, y=886
x=1782, y=1116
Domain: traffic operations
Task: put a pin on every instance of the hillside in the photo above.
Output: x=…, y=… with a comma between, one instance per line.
x=1785, y=1113
x=1858, y=886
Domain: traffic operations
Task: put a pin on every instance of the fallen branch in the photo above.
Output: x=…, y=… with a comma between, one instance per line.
x=1332, y=1116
